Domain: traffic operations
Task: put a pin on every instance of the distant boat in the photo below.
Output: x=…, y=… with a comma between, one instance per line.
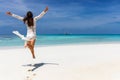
x=67, y=33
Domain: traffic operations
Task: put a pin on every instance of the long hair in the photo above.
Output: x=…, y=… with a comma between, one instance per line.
x=29, y=19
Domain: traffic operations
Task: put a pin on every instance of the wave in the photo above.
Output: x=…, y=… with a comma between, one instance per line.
x=6, y=37
x=11, y=40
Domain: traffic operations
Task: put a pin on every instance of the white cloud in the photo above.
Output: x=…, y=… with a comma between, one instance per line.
x=87, y=22
x=66, y=11
x=110, y=14
x=13, y=5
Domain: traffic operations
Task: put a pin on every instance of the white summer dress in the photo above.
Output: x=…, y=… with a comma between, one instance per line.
x=31, y=31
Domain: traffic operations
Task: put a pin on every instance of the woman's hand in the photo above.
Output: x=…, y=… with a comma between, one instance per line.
x=9, y=13
x=46, y=9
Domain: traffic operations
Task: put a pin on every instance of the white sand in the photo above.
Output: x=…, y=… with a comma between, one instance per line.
x=67, y=62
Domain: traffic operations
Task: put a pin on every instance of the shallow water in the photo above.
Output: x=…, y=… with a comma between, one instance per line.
x=43, y=40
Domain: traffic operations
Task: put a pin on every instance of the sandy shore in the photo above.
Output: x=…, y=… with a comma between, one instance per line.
x=66, y=62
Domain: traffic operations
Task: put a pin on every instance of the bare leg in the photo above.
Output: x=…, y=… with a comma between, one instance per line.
x=30, y=45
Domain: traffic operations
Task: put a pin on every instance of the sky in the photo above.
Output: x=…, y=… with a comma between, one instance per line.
x=63, y=16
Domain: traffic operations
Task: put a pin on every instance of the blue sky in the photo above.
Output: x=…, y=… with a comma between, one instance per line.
x=64, y=16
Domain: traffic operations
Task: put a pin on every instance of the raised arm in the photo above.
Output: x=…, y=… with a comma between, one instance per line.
x=14, y=15
x=41, y=14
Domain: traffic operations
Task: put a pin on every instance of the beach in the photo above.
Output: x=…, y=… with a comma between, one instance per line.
x=62, y=62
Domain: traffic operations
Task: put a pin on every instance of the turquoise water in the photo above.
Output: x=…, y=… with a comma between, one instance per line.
x=43, y=40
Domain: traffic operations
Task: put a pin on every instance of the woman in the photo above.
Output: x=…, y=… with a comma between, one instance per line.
x=31, y=28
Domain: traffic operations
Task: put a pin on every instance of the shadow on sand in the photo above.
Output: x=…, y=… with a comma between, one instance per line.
x=37, y=65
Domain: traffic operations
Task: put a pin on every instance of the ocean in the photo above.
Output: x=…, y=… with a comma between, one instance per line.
x=48, y=40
